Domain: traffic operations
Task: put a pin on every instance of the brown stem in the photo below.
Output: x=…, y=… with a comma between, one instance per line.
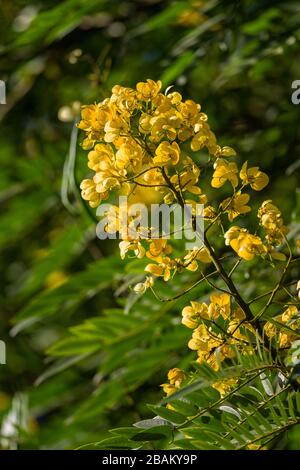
x=228, y=281
x=218, y=265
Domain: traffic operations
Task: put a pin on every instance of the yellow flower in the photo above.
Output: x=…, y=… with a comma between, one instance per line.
x=289, y=314
x=100, y=153
x=192, y=315
x=184, y=133
x=187, y=179
x=236, y=205
x=225, y=351
x=239, y=314
x=124, y=98
x=272, y=222
x=204, y=137
x=270, y=329
x=209, y=212
x=145, y=123
x=176, y=376
x=105, y=182
x=89, y=193
x=133, y=245
x=232, y=233
x=225, y=386
x=197, y=254
x=93, y=120
x=285, y=340
x=290, y=318
x=167, y=153
x=129, y=155
x=220, y=305
x=243, y=243
x=235, y=331
x=163, y=269
x=168, y=389
x=224, y=171
x=157, y=248
x=113, y=220
x=148, y=90
x=253, y=176
x=225, y=152
x=189, y=111
x=141, y=287
x=209, y=358
x=164, y=124
x=202, y=340
x=107, y=177
x=247, y=246
x=216, y=352
x=153, y=176
x=115, y=128
x=175, y=97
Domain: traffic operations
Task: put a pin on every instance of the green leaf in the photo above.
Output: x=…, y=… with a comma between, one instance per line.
x=55, y=23
x=151, y=423
x=184, y=407
x=97, y=277
x=73, y=346
x=169, y=415
x=156, y=433
x=161, y=20
x=262, y=23
x=185, y=444
x=126, y=432
x=115, y=443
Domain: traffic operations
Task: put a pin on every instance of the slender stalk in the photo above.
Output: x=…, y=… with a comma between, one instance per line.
x=259, y=407
x=218, y=265
x=228, y=281
x=278, y=285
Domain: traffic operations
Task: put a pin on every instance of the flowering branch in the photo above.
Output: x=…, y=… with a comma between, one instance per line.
x=143, y=140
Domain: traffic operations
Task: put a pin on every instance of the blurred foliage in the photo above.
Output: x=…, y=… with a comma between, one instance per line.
x=84, y=354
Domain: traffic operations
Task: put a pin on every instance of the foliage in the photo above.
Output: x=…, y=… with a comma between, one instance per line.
x=84, y=352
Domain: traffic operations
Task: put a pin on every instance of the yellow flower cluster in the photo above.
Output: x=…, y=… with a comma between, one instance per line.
x=272, y=223
x=213, y=343
x=175, y=378
x=143, y=138
x=284, y=337
x=225, y=386
x=245, y=244
x=138, y=137
x=228, y=171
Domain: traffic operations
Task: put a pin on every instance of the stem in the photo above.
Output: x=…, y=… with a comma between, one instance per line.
x=176, y=193
x=278, y=285
x=218, y=265
x=273, y=432
x=170, y=299
x=228, y=281
x=259, y=407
